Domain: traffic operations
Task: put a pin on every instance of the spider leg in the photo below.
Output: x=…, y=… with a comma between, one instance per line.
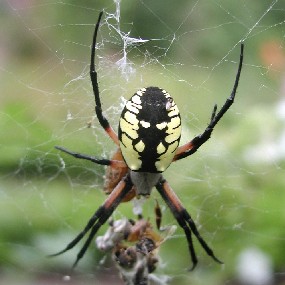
x=99, y=217
x=158, y=215
x=184, y=220
x=111, y=163
x=93, y=75
x=192, y=146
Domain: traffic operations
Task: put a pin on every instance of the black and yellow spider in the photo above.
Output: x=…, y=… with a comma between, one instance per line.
x=148, y=142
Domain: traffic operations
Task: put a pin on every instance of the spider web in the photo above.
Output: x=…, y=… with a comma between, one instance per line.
x=233, y=187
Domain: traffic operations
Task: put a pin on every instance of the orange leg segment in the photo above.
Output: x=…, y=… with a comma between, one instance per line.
x=99, y=217
x=184, y=220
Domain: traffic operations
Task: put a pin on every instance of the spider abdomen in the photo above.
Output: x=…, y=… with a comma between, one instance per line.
x=149, y=130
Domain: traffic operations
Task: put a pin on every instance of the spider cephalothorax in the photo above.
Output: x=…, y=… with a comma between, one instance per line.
x=148, y=142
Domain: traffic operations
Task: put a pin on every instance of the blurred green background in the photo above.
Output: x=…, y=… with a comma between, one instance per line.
x=233, y=187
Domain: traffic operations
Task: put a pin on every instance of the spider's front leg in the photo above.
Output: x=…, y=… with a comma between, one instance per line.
x=184, y=220
x=100, y=217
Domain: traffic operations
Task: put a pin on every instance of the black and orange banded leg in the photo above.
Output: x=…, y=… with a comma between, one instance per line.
x=93, y=75
x=100, y=217
x=192, y=146
x=184, y=220
x=101, y=161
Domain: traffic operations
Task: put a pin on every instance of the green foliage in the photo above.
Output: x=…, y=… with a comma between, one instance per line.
x=47, y=197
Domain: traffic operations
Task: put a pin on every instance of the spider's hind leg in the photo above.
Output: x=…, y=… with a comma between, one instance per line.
x=93, y=76
x=192, y=146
